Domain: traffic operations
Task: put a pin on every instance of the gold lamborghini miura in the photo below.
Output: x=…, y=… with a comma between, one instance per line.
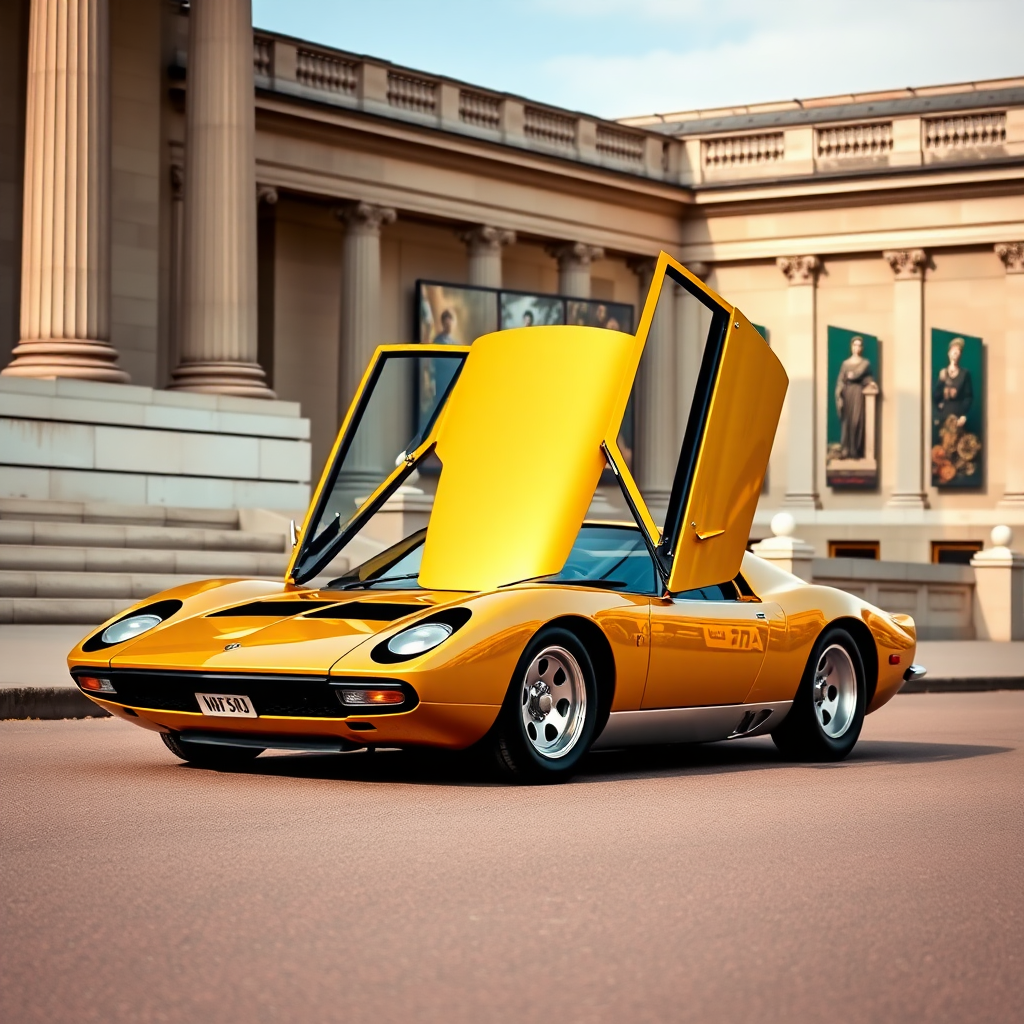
x=512, y=623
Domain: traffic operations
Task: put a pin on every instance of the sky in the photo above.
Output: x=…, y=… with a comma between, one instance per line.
x=616, y=58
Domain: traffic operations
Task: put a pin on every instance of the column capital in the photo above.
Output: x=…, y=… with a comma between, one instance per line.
x=266, y=194
x=366, y=217
x=1012, y=255
x=486, y=239
x=698, y=269
x=907, y=264
x=574, y=253
x=799, y=269
x=642, y=266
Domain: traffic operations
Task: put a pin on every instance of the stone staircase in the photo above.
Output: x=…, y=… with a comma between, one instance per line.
x=82, y=562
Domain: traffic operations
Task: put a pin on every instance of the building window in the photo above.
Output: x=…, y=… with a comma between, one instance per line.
x=955, y=552
x=853, y=549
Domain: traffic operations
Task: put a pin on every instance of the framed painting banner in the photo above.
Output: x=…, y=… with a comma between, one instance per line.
x=957, y=409
x=851, y=436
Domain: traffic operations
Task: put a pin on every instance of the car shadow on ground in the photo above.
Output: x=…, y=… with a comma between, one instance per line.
x=427, y=767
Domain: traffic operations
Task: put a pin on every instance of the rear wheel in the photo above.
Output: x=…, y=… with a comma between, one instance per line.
x=548, y=719
x=208, y=755
x=828, y=710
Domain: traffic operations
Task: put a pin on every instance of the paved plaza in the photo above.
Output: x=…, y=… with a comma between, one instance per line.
x=710, y=883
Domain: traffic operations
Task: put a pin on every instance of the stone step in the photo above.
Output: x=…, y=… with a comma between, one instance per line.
x=113, y=585
x=84, y=611
x=102, y=512
x=56, y=533
x=38, y=558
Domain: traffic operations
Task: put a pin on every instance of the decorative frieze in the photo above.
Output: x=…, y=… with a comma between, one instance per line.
x=479, y=109
x=1012, y=255
x=969, y=131
x=412, y=93
x=850, y=141
x=744, y=150
x=625, y=146
x=320, y=71
x=550, y=128
x=907, y=264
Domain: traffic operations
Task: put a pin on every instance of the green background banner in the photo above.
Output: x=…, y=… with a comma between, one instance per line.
x=958, y=460
x=839, y=339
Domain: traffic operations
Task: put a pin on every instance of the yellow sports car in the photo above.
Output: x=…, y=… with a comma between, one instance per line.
x=512, y=622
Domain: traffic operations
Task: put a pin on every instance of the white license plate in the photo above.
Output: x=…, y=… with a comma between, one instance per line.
x=225, y=705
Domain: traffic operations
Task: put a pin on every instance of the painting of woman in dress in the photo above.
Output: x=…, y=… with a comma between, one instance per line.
x=956, y=444
x=854, y=375
x=852, y=459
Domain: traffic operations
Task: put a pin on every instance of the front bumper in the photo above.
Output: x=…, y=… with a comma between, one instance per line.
x=294, y=712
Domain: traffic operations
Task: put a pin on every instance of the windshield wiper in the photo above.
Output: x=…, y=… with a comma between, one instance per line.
x=366, y=584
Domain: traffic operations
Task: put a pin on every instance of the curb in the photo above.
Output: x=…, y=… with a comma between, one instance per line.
x=63, y=702
x=47, y=702
x=971, y=684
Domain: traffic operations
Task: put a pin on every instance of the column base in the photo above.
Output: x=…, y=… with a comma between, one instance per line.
x=793, y=500
x=908, y=500
x=245, y=380
x=1010, y=500
x=87, y=359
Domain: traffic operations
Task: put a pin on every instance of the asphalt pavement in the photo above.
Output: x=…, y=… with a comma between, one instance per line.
x=714, y=883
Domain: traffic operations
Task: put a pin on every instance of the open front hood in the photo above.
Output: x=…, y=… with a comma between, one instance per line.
x=520, y=447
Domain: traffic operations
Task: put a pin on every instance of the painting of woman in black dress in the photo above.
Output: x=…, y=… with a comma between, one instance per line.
x=956, y=421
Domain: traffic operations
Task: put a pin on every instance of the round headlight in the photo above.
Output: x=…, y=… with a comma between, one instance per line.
x=128, y=629
x=419, y=639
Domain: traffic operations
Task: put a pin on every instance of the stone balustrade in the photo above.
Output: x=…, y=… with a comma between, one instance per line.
x=347, y=80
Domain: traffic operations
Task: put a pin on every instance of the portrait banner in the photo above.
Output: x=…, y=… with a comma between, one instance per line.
x=520, y=309
x=851, y=432
x=448, y=315
x=614, y=316
x=957, y=409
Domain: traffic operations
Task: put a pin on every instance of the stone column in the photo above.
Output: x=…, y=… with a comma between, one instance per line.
x=219, y=314
x=65, y=255
x=177, y=244
x=801, y=477
x=360, y=294
x=656, y=450
x=574, y=259
x=373, y=450
x=689, y=347
x=483, y=246
x=1012, y=255
x=908, y=266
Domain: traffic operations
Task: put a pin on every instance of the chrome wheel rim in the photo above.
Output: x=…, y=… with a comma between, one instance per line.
x=835, y=691
x=553, y=702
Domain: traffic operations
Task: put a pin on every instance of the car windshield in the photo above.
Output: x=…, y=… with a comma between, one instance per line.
x=604, y=556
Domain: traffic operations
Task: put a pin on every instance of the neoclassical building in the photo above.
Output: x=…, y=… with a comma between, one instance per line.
x=223, y=223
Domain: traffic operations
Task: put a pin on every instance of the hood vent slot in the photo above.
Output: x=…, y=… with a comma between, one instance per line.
x=270, y=609
x=369, y=611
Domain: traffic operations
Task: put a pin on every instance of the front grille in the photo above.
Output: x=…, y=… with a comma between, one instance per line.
x=284, y=695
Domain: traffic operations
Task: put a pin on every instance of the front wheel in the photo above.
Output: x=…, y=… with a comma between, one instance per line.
x=208, y=755
x=548, y=719
x=828, y=710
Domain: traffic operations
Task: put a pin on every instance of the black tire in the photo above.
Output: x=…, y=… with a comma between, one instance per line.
x=207, y=755
x=824, y=725
x=543, y=733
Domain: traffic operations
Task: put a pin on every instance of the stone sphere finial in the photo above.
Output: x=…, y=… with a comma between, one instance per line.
x=1001, y=536
x=783, y=524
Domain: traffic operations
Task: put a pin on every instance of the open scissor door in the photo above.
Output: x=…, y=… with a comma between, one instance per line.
x=734, y=411
x=389, y=428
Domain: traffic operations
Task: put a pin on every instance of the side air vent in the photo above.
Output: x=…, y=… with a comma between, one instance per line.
x=270, y=609
x=369, y=611
x=751, y=720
